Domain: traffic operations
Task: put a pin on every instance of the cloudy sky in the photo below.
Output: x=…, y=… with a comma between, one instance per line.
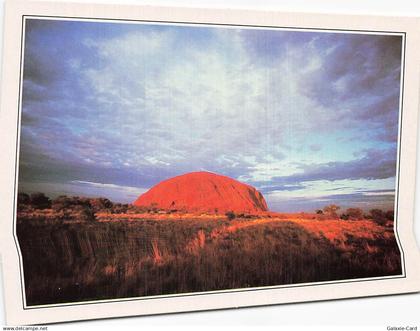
x=308, y=118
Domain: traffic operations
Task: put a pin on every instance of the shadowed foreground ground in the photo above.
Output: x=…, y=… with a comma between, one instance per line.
x=110, y=258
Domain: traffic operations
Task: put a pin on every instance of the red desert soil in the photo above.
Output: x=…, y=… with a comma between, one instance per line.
x=203, y=192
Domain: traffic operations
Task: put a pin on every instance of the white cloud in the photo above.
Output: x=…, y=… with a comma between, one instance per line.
x=324, y=188
x=109, y=186
x=189, y=106
x=391, y=193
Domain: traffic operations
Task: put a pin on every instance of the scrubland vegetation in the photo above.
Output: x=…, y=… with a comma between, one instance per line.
x=78, y=249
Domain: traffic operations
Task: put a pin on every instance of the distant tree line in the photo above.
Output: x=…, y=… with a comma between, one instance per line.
x=36, y=200
x=332, y=211
x=84, y=209
x=72, y=207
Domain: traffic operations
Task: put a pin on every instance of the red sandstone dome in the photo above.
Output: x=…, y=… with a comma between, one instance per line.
x=203, y=192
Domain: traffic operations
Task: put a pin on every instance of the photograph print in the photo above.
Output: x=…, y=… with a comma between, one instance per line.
x=160, y=159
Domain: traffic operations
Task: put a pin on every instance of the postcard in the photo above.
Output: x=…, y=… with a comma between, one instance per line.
x=161, y=160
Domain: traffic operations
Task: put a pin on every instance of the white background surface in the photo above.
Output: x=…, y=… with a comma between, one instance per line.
x=375, y=313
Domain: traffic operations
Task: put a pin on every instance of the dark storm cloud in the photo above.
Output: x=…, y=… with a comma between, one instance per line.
x=356, y=87
x=285, y=187
x=374, y=164
x=350, y=61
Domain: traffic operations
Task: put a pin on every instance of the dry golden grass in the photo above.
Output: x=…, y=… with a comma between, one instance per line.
x=130, y=255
